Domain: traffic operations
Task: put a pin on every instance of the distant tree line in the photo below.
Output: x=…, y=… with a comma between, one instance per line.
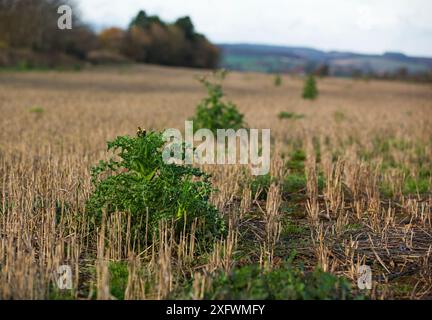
x=31, y=26
x=149, y=39
x=401, y=74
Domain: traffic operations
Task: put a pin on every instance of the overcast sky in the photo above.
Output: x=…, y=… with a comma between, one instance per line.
x=366, y=26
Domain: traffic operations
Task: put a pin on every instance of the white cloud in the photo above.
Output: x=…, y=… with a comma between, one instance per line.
x=357, y=25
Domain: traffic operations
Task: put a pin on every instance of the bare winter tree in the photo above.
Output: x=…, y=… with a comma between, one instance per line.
x=32, y=24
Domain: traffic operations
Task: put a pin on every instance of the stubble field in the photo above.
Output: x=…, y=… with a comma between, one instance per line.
x=350, y=185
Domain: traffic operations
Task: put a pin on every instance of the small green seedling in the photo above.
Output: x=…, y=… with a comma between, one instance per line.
x=310, y=90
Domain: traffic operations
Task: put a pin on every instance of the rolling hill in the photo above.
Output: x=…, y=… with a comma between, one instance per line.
x=267, y=58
